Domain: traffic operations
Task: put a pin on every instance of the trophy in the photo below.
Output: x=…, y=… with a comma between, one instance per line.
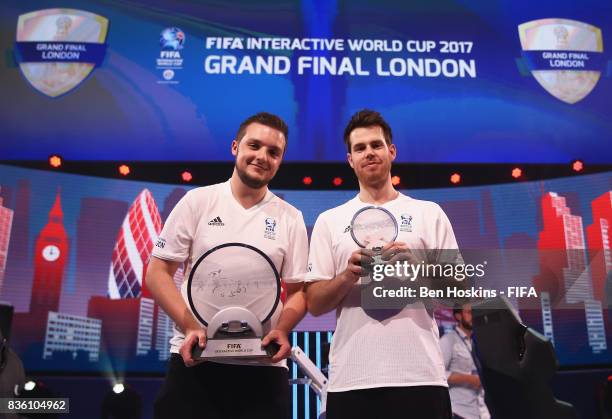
x=233, y=289
x=372, y=228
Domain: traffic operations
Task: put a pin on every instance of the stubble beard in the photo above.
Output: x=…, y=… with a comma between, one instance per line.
x=249, y=180
x=466, y=325
x=376, y=180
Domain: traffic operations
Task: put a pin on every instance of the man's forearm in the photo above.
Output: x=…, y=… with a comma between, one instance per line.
x=324, y=296
x=161, y=285
x=461, y=379
x=293, y=311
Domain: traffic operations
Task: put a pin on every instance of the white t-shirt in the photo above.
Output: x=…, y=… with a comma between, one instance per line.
x=210, y=216
x=374, y=348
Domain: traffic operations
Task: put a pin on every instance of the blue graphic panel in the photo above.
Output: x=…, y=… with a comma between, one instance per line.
x=459, y=81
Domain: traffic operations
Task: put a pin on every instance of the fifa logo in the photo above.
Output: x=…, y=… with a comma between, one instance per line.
x=172, y=38
x=406, y=224
x=171, y=41
x=170, y=54
x=270, y=225
x=270, y=232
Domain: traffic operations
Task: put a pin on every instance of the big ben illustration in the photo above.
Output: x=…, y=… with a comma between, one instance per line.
x=50, y=257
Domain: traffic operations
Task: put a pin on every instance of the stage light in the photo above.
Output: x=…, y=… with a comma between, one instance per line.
x=124, y=169
x=118, y=388
x=307, y=180
x=395, y=180
x=517, y=172
x=36, y=389
x=186, y=176
x=55, y=161
x=455, y=178
x=577, y=165
x=337, y=181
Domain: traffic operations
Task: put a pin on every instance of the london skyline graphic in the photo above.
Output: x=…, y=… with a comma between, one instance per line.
x=77, y=249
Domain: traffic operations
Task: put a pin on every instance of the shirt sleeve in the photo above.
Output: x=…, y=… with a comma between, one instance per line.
x=320, y=258
x=446, y=345
x=296, y=259
x=174, y=242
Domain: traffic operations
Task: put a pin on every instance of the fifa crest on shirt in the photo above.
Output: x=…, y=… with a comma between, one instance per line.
x=406, y=223
x=564, y=56
x=57, y=49
x=270, y=232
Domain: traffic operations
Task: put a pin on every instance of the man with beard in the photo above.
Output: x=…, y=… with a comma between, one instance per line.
x=467, y=396
x=239, y=210
x=383, y=363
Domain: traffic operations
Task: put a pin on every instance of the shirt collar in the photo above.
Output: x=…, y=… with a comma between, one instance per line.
x=462, y=333
x=227, y=190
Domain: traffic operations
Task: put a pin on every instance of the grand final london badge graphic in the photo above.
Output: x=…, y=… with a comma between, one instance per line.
x=565, y=56
x=56, y=49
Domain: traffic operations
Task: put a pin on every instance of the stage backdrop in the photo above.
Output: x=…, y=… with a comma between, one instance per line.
x=459, y=81
x=73, y=250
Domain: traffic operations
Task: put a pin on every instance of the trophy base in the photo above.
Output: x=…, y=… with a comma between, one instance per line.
x=231, y=348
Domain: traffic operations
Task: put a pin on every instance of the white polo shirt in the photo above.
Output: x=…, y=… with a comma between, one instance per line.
x=378, y=348
x=210, y=216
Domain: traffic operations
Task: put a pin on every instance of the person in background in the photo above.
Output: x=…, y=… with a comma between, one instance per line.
x=466, y=393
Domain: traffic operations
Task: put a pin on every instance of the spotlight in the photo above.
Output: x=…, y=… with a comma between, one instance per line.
x=337, y=181
x=124, y=169
x=307, y=180
x=577, y=165
x=455, y=178
x=118, y=388
x=517, y=172
x=186, y=176
x=36, y=389
x=395, y=180
x=55, y=161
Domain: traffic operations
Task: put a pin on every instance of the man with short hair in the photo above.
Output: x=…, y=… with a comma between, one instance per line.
x=239, y=210
x=383, y=363
x=467, y=396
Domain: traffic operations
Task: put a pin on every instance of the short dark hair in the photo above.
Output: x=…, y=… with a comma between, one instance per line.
x=367, y=118
x=267, y=119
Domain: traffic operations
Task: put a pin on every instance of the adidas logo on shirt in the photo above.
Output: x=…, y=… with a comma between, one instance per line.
x=216, y=222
